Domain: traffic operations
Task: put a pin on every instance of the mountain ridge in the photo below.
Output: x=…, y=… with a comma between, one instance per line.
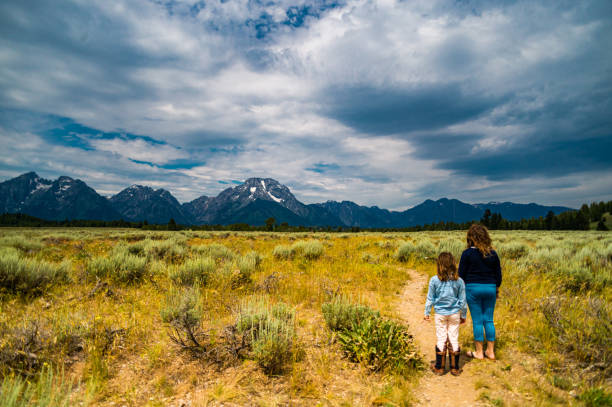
x=252, y=202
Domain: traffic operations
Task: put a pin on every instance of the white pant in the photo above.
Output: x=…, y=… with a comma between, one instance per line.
x=447, y=326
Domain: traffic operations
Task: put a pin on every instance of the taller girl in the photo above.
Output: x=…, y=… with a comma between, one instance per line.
x=480, y=269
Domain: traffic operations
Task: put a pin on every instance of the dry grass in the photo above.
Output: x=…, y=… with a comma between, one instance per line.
x=108, y=336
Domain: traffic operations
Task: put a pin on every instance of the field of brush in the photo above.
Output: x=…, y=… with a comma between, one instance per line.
x=124, y=317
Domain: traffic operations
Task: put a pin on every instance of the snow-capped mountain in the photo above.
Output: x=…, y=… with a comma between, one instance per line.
x=140, y=203
x=230, y=204
x=15, y=192
x=266, y=189
x=64, y=198
x=252, y=202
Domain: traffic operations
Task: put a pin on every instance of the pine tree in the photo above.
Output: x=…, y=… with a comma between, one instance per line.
x=172, y=224
x=486, y=218
x=270, y=222
x=548, y=220
x=601, y=225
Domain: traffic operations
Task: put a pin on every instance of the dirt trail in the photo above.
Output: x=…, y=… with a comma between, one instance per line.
x=447, y=390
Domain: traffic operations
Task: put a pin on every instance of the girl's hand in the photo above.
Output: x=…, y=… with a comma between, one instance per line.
x=426, y=318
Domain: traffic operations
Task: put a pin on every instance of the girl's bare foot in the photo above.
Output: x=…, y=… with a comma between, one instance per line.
x=489, y=355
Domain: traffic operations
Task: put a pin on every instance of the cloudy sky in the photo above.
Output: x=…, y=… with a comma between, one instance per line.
x=381, y=102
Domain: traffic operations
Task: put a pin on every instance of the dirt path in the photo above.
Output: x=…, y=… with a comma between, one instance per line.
x=447, y=390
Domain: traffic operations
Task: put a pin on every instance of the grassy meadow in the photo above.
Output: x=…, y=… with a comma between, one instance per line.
x=124, y=317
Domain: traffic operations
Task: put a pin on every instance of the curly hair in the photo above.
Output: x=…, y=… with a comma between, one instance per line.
x=447, y=268
x=478, y=237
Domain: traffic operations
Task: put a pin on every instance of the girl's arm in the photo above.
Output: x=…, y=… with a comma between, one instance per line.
x=430, y=296
x=462, y=299
x=463, y=264
x=498, y=271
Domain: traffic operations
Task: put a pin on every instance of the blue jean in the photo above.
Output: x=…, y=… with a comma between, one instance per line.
x=481, y=301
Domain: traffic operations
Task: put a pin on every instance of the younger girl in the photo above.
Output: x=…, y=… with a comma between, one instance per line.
x=447, y=296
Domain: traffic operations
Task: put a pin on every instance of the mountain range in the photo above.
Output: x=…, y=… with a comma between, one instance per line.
x=252, y=202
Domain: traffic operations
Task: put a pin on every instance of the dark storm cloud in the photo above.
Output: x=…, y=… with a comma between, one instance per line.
x=551, y=159
x=394, y=110
x=74, y=44
x=442, y=147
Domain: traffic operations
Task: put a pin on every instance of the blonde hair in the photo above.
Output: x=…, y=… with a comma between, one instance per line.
x=478, y=237
x=447, y=268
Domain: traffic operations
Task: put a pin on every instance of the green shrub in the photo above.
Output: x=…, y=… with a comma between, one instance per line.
x=544, y=260
x=21, y=275
x=282, y=312
x=215, y=251
x=169, y=250
x=193, y=271
x=251, y=314
x=119, y=266
x=512, y=250
x=380, y=344
x=246, y=265
x=386, y=244
x=22, y=243
x=138, y=248
x=254, y=257
x=426, y=250
x=453, y=246
x=182, y=309
x=369, y=258
x=271, y=332
x=405, y=252
x=368, y=338
x=593, y=257
x=272, y=346
x=547, y=243
x=576, y=278
x=341, y=314
x=46, y=389
x=309, y=249
x=282, y=252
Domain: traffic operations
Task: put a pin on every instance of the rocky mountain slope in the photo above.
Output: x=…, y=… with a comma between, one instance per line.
x=140, y=203
x=64, y=198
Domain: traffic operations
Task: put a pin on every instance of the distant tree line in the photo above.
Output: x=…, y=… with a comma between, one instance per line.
x=23, y=220
x=571, y=220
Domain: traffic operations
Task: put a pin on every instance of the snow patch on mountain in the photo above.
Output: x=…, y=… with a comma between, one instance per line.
x=40, y=187
x=277, y=200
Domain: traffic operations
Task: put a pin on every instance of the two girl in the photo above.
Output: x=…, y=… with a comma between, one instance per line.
x=476, y=283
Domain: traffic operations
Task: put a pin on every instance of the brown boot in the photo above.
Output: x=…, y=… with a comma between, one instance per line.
x=454, y=362
x=438, y=366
